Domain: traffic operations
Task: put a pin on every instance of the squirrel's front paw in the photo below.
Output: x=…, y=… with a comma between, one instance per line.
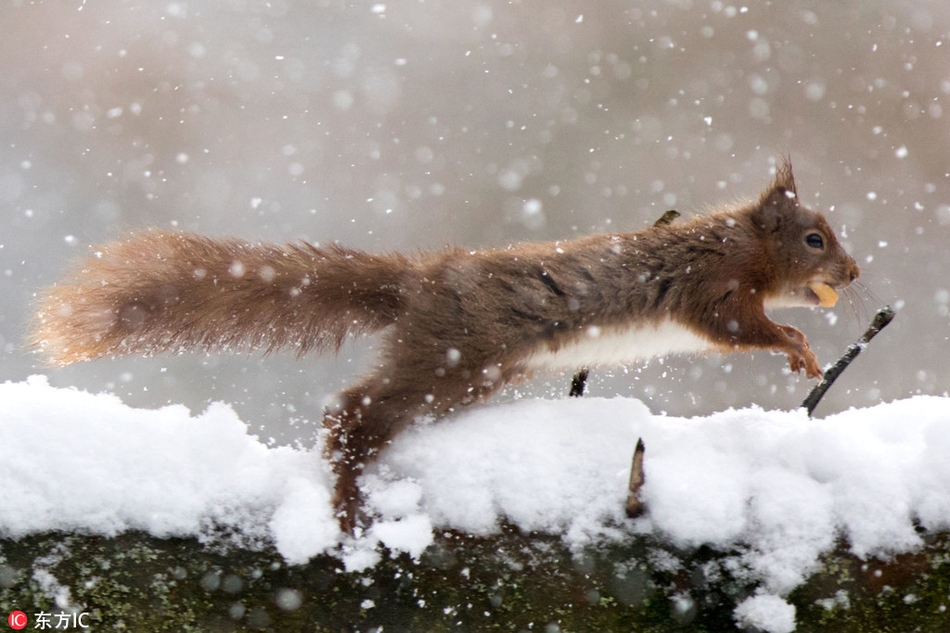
x=800, y=355
x=806, y=360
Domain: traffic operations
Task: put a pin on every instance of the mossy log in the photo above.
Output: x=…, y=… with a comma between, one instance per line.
x=509, y=582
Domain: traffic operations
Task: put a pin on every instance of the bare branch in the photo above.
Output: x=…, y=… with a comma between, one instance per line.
x=880, y=321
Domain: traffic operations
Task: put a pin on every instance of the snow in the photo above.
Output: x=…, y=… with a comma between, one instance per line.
x=766, y=613
x=776, y=486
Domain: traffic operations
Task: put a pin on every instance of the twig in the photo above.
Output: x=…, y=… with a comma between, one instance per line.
x=880, y=321
x=578, y=383
x=667, y=218
x=634, y=503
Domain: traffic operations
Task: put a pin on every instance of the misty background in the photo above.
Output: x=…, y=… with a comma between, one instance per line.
x=426, y=123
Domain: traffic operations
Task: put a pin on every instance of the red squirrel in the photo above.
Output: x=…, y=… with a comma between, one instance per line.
x=458, y=324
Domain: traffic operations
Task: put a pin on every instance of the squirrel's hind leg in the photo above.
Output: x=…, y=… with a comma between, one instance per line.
x=367, y=417
x=357, y=431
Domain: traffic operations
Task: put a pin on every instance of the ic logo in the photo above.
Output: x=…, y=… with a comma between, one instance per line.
x=17, y=620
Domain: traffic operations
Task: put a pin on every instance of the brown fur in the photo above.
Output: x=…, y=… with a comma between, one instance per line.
x=461, y=324
x=156, y=292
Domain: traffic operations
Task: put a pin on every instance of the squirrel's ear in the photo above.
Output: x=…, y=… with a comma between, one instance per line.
x=780, y=199
x=784, y=179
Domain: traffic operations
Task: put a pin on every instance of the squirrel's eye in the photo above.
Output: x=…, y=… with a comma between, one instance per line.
x=815, y=240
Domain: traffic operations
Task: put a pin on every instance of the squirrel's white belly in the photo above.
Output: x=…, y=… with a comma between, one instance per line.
x=617, y=346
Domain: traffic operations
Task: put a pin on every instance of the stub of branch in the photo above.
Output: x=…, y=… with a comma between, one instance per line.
x=579, y=383
x=878, y=323
x=667, y=218
x=635, y=505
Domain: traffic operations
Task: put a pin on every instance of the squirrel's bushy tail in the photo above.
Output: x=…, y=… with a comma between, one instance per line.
x=156, y=292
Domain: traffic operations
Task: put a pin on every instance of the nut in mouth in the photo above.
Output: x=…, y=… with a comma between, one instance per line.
x=825, y=295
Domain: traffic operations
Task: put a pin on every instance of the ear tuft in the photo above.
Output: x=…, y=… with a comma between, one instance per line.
x=784, y=178
x=780, y=198
x=782, y=189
